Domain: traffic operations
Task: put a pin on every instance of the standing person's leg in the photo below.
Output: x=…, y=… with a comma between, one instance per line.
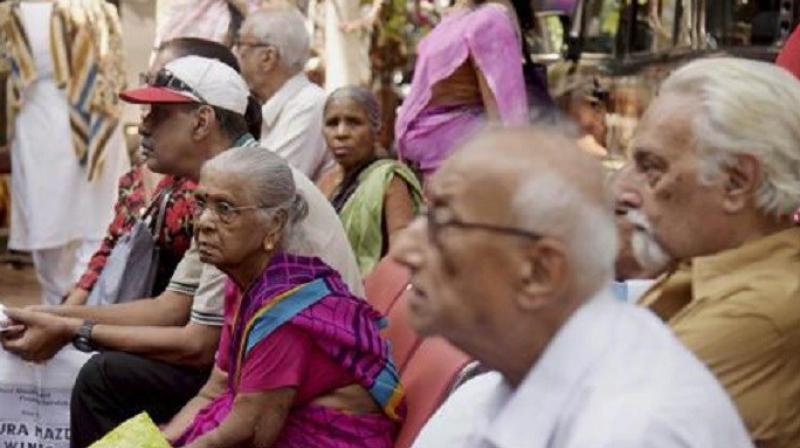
x=115, y=386
x=54, y=271
x=84, y=251
x=59, y=268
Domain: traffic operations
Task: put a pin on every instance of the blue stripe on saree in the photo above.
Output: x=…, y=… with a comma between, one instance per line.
x=284, y=311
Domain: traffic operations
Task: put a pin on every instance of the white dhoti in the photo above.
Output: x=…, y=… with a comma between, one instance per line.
x=57, y=213
x=346, y=55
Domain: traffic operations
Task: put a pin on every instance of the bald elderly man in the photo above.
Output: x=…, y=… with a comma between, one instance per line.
x=512, y=264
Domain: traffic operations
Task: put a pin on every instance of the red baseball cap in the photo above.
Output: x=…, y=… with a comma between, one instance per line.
x=193, y=79
x=153, y=95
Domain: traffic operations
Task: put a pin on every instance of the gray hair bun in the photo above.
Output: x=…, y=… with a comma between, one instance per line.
x=298, y=208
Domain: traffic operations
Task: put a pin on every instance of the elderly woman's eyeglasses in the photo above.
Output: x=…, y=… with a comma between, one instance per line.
x=439, y=218
x=223, y=210
x=165, y=78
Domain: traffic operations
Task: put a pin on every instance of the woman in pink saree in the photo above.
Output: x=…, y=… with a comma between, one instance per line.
x=301, y=362
x=468, y=71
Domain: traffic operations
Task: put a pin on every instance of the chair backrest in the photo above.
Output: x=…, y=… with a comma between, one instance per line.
x=427, y=380
x=402, y=337
x=428, y=368
x=385, y=284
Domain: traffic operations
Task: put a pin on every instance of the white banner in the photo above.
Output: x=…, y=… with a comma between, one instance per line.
x=34, y=399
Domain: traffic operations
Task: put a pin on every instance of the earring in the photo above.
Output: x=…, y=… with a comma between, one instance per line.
x=268, y=246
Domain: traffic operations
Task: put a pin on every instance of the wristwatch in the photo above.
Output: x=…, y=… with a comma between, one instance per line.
x=83, y=340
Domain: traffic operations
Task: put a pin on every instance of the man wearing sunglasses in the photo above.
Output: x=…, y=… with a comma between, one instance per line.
x=152, y=346
x=512, y=264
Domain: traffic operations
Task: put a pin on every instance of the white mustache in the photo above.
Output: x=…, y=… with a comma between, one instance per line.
x=639, y=221
x=648, y=252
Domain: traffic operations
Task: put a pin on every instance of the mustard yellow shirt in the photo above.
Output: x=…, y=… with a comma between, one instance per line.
x=739, y=312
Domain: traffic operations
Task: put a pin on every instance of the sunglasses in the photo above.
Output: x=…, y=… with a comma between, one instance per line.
x=165, y=78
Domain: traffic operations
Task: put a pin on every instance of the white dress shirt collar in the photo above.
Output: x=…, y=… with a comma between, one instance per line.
x=273, y=107
x=565, y=362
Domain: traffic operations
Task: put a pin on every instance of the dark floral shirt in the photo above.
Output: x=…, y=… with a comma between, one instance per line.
x=175, y=235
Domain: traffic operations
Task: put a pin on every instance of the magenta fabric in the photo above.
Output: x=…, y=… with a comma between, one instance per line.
x=312, y=352
x=292, y=360
x=437, y=132
x=487, y=34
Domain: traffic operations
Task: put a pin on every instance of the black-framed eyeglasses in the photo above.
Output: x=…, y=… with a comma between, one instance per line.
x=439, y=218
x=165, y=78
x=223, y=210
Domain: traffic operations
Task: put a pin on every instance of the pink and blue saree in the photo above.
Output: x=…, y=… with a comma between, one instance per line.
x=312, y=297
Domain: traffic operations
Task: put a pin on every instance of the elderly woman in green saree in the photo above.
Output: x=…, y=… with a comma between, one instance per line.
x=374, y=196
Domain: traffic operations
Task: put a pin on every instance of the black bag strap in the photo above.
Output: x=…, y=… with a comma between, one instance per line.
x=158, y=206
x=162, y=211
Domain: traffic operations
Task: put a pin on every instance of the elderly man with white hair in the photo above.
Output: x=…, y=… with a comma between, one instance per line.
x=512, y=264
x=717, y=164
x=273, y=47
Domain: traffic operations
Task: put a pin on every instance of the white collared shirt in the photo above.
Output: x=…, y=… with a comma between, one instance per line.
x=292, y=126
x=613, y=377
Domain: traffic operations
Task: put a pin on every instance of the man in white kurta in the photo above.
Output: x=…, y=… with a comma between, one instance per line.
x=512, y=264
x=614, y=372
x=57, y=213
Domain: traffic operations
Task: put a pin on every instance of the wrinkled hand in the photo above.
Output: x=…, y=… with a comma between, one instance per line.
x=37, y=336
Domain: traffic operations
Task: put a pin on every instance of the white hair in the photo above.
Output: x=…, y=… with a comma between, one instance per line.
x=549, y=204
x=285, y=29
x=746, y=108
x=271, y=185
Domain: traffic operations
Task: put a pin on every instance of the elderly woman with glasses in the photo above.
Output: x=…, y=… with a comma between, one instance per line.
x=301, y=361
x=375, y=197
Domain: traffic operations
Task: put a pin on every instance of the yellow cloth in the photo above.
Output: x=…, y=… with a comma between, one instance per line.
x=137, y=432
x=739, y=312
x=86, y=47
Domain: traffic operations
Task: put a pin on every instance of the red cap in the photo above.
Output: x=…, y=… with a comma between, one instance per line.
x=155, y=95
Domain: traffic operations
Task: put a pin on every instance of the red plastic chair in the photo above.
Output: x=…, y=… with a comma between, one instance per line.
x=385, y=284
x=428, y=368
x=403, y=338
x=428, y=378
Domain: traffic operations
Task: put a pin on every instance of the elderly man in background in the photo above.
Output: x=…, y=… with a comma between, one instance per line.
x=273, y=48
x=716, y=160
x=512, y=265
